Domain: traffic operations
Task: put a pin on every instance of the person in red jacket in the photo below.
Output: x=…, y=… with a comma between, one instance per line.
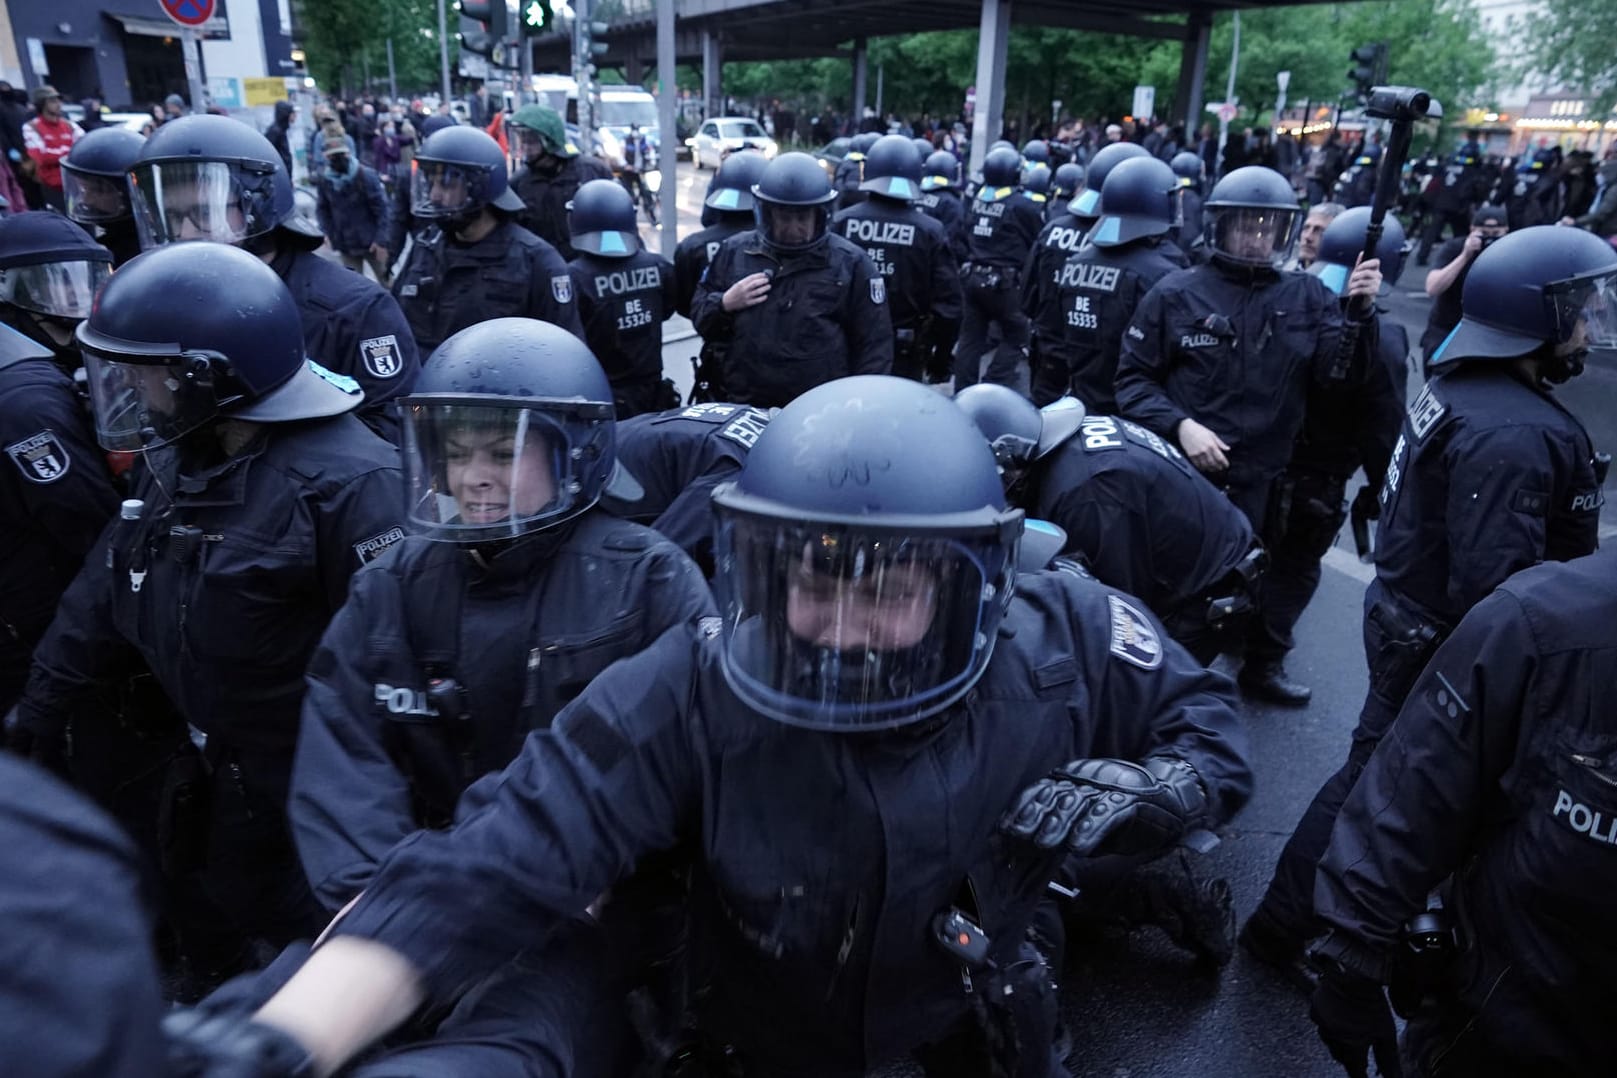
x=48, y=137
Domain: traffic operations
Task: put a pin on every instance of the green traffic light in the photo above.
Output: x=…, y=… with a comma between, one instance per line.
x=535, y=15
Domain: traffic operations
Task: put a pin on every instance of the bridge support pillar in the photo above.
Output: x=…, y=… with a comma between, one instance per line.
x=712, y=74
x=1192, y=73
x=861, y=71
x=992, y=44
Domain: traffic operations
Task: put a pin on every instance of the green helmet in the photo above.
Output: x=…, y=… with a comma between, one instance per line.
x=548, y=124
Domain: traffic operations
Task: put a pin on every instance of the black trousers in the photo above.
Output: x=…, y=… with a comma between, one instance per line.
x=1312, y=508
x=987, y=307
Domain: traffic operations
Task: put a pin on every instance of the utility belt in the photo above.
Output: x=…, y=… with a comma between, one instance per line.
x=1422, y=970
x=1408, y=640
x=1236, y=592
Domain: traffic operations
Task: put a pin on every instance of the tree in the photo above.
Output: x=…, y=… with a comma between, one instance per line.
x=341, y=38
x=1571, y=40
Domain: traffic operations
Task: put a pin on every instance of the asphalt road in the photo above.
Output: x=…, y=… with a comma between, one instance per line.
x=1135, y=1005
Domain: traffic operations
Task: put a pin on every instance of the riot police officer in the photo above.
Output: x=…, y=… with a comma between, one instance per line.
x=553, y=171
x=1497, y=785
x=1192, y=173
x=80, y=993
x=850, y=171
x=923, y=147
x=911, y=252
x=1065, y=183
x=1220, y=356
x=214, y=178
x=475, y=262
x=1134, y=511
x=1057, y=241
x=224, y=568
x=50, y=271
x=1129, y=249
x=791, y=304
x=625, y=294
x=1345, y=427
x=58, y=492
x=1357, y=185
x=513, y=592
x=940, y=198
x=856, y=616
x=1490, y=474
x=677, y=457
x=731, y=204
x=1458, y=188
x=1002, y=225
x=1533, y=196
x=95, y=183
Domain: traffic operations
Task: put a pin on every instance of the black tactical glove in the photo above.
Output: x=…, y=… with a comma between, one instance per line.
x=1109, y=806
x=21, y=739
x=1367, y=503
x=204, y=1045
x=1354, y=1020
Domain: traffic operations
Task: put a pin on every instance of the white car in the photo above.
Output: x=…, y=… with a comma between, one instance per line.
x=717, y=137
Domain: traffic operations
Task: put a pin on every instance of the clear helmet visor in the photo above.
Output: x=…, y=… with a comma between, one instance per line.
x=143, y=405
x=792, y=228
x=1252, y=235
x=835, y=627
x=1586, y=311
x=221, y=201
x=479, y=473
x=444, y=190
x=57, y=289
x=93, y=199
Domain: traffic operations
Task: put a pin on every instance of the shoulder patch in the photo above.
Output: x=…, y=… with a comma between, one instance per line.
x=878, y=291
x=371, y=549
x=382, y=356
x=1425, y=412
x=40, y=457
x=562, y=288
x=1134, y=639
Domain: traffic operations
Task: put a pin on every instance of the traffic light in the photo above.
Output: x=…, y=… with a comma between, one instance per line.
x=1369, y=67
x=589, y=44
x=483, y=25
x=538, y=17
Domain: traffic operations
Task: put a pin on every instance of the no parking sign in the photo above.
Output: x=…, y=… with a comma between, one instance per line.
x=192, y=13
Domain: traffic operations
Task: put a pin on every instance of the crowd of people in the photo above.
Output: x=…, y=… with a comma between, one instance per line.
x=404, y=680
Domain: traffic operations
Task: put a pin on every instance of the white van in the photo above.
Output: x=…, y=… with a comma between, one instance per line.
x=620, y=107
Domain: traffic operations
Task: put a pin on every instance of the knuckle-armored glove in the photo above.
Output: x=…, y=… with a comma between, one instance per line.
x=1109, y=806
x=207, y=1045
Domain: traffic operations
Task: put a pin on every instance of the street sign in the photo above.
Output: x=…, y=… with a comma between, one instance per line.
x=1145, y=102
x=192, y=13
x=1226, y=112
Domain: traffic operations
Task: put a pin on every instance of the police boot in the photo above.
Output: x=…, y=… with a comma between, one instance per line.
x=1198, y=916
x=1265, y=679
x=1264, y=939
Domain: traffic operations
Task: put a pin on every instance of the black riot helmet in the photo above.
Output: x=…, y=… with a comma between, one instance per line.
x=206, y=177
x=1251, y=218
x=1036, y=180
x=1087, y=202
x=1066, y=182
x=95, y=175
x=458, y=171
x=194, y=331
x=601, y=220
x=1001, y=144
x=733, y=183
x=1140, y=199
x=1537, y=287
x=1018, y=433
x=1343, y=241
x=865, y=558
x=508, y=430
x=1002, y=168
x=1036, y=152
x=859, y=146
x=893, y=169
x=940, y=171
x=1191, y=170
x=923, y=147
x=794, y=200
x=50, y=272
